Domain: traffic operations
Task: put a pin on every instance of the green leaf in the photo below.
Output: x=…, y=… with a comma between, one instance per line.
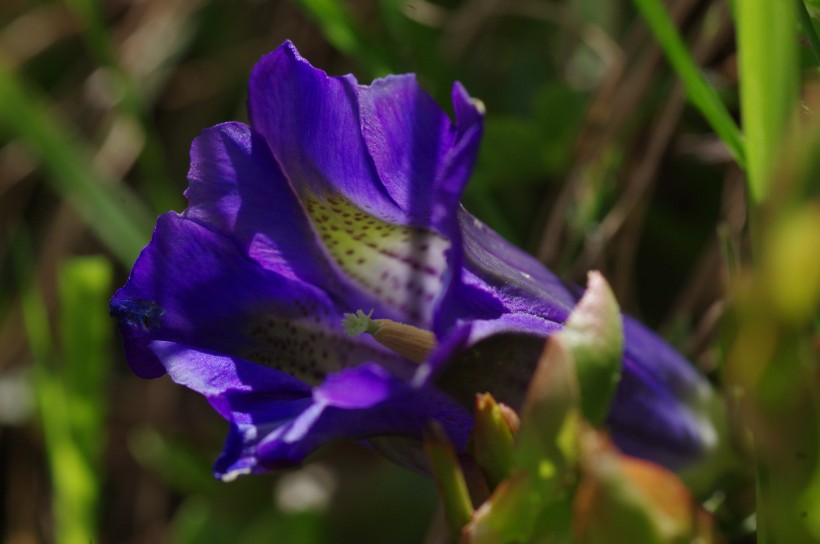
x=771, y=356
x=594, y=336
x=508, y=515
x=808, y=29
x=546, y=445
x=626, y=499
x=621, y=499
x=70, y=388
x=85, y=331
x=810, y=501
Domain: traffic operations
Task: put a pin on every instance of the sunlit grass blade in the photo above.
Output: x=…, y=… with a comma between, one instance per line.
x=700, y=92
x=85, y=333
x=768, y=66
x=69, y=385
x=115, y=216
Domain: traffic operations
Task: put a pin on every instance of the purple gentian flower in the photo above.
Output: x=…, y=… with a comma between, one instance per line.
x=340, y=197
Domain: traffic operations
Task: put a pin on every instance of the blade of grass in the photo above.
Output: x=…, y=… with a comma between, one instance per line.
x=808, y=29
x=699, y=91
x=70, y=412
x=85, y=332
x=116, y=216
x=768, y=65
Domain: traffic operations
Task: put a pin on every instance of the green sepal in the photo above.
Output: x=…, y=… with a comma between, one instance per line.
x=594, y=336
x=625, y=499
x=508, y=515
x=492, y=440
x=546, y=445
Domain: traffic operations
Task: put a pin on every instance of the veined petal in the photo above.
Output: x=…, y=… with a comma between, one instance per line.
x=235, y=187
x=379, y=168
x=387, y=148
x=496, y=290
x=414, y=146
x=311, y=123
x=667, y=368
x=506, y=278
x=648, y=421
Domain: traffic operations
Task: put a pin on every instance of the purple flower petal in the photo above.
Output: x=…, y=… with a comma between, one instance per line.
x=342, y=197
x=647, y=421
x=380, y=170
x=237, y=189
x=317, y=136
x=277, y=420
x=385, y=407
x=197, y=287
x=416, y=148
x=661, y=364
x=498, y=278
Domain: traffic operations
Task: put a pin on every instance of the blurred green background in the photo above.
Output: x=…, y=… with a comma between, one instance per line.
x=593, y=158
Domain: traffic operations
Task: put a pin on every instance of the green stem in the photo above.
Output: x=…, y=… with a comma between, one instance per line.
x=449, y=478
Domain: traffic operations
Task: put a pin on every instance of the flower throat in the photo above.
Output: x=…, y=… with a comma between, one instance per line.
x=401, y=267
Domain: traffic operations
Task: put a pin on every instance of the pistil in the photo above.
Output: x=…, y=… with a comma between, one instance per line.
x=412, y=342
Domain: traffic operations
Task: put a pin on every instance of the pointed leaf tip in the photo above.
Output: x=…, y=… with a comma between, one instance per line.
x=594, y=335
x=625, y=499
x=493, y=439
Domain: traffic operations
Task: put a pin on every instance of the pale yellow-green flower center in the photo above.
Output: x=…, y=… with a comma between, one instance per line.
x=401, y=267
